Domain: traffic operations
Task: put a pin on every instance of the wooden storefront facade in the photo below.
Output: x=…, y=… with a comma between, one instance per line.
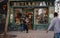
x=39, y=13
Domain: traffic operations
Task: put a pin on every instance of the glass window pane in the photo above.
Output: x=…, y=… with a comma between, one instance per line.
x=40, y=16
x=17, y=15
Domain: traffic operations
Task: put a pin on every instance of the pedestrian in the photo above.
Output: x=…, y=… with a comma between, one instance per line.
x=24, y=25
x=55, y=22
x=26, y=21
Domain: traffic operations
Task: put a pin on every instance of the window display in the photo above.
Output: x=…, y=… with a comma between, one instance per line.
x=17, y=15
x=40, y=16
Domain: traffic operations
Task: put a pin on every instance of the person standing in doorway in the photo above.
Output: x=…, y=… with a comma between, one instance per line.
x=55, y=22
x=26, y=24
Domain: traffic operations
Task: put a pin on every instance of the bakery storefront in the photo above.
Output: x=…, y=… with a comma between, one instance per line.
x=38, y=12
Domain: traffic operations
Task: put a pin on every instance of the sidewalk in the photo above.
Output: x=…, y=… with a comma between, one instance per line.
x=32, y=34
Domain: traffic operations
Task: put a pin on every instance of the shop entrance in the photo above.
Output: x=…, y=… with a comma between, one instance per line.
x=26, y=13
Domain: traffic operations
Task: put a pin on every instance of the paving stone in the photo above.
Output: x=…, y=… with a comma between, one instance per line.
x=32, y=34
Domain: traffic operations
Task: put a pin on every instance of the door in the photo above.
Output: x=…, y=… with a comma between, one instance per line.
x=28, y=14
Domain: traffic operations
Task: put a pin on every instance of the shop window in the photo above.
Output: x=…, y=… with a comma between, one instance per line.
x=40, y=16
x=17, y=15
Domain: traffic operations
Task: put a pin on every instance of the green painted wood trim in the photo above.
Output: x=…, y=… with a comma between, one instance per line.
x=33, y=20
x=41, y=27
x=9, y=19
x=13, y=16
x=30, y=6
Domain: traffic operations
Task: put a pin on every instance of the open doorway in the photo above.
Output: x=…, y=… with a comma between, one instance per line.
x=28, y=14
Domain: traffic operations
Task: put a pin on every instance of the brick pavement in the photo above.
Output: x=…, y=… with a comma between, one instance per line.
x=32, y=34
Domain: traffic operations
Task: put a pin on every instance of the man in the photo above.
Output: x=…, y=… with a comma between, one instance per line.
x=55, y=22
x=24, y=24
